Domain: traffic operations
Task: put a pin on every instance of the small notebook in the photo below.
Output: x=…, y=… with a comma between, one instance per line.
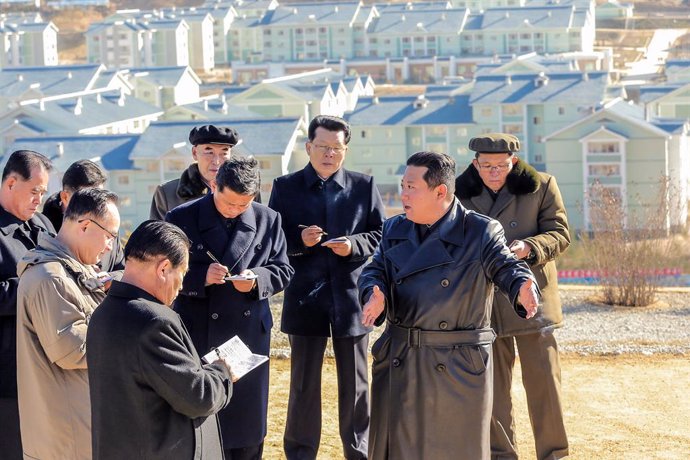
x=238, y=356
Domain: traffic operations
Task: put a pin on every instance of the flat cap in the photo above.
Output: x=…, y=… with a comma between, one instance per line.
x=495, y=143
x=209, y=134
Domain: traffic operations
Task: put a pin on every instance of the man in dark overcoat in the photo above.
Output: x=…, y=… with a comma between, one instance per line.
x=151, y=396
x=319, y=203
x=24, y=182
x=529, y=206
x=434, y=274
x=233, y=235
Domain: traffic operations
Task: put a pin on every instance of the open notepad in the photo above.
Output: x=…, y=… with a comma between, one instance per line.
x=237, y=355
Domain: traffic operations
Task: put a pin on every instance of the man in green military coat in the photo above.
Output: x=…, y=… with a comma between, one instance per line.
x=529, y=206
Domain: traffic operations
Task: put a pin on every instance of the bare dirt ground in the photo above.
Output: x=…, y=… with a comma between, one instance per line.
x=616, y=407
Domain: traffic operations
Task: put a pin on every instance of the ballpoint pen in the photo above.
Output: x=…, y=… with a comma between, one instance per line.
x=213, y=258
x=307, y=226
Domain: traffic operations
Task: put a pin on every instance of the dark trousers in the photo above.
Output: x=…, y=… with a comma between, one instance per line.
x=10, y=439
x=303, y=427
x=541, y=377
x=244, y=453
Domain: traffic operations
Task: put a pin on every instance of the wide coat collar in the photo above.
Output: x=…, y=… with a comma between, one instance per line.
x=522, y=179
x=228, y=248
x=410, y=257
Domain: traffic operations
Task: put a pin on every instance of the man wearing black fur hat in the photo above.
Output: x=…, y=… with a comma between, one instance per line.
x=529, y=206
x=211, y=146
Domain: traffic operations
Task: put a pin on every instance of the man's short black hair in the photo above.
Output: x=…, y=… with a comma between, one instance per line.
x=239, y=174
x=440, y=169
x=156, y=238
x=330, y=123
x=83, y=174
x=89, y=202
x=21, y=162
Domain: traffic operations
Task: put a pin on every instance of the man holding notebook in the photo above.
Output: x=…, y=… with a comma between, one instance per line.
x=332, y=219
x=237, y=260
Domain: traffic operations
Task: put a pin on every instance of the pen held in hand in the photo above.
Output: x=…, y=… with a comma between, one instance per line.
x=213, y=258
x=307, y=226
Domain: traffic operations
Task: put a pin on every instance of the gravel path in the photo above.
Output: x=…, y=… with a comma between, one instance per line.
x=601, y=330
x=591, y=328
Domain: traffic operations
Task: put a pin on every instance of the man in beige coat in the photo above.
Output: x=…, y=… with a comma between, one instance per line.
x=58, y=291
x=529, y=206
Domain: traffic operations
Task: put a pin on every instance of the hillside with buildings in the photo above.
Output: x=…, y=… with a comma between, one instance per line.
x=589, y=104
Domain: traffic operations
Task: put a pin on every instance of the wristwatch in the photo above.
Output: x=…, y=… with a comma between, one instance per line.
x=531, y=257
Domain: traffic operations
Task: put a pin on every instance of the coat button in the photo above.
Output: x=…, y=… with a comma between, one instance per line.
x=200, y=247
x=396, y=362
x=513, y=224
x=441, y=367
x=443, y=325
x=445, y=282
x=214, y=316
x=396, y=320
x=265, y=294
x=398, y=281
x=258, y=247
x=247, y=313
x=495, y=288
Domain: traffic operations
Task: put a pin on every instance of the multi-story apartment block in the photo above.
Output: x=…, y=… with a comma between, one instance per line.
x=27, y=40
x=616, y=147
x=138, y=42
x=532, y=106
x=164, y=87
x=414, y=41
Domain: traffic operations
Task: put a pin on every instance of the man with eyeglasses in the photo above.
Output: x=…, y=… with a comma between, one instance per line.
x=58, y=291
x=529, y=206
x=332, y=220
x=80, y=175
x=211, y=146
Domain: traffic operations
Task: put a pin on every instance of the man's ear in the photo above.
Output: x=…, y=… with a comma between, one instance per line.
x=194, y=153
x=442, y=191
x=11, y=181
x=307, y=145
x=163, y=269
x=64, y=199
x=475, y=163
x=514, y=159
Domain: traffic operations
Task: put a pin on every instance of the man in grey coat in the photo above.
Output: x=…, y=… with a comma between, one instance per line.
x=529, y=206
x=433, y=274
x=151, y=396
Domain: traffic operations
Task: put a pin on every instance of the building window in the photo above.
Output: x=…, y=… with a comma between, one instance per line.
x=536, y=120
x=265, y=164
x=122, y=180
x=462, y=132
x=125, y=201
x=603, y=147
x=512, y=110
x=486, y=112
x=604, y=170
x=561, y=110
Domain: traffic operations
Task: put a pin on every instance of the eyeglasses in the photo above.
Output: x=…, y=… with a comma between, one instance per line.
x=503, y=167
x=326, y=148
x=110, y=234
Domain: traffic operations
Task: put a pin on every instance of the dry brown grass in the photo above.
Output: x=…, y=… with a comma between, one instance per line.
x=625, y=407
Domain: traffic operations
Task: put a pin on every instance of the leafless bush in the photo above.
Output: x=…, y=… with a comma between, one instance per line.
x=629, y=244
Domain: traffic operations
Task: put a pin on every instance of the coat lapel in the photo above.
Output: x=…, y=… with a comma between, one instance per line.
x=212, y=229
x=410, y=257
x=502, y=201
x=240, y=240
x=483, y=202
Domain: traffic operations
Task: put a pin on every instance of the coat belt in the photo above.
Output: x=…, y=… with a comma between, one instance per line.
x=416, y=337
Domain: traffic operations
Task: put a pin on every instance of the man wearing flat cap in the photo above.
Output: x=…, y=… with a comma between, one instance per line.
x=528, y=204
x=211, y=146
